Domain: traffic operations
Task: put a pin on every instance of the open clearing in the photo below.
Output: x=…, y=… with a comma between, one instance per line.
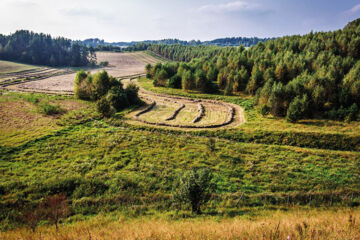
x=51, y=80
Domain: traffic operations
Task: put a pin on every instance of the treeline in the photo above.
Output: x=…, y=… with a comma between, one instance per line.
x=107, y=48
x=236, y=41
x=41, y=49
x=221, y=42
x=317, y=74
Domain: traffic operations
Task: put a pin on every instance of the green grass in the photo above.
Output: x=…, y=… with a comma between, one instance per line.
x=108, y=165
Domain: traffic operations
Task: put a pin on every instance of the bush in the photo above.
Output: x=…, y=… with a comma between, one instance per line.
x=175, y=82
x=264, y=110
x=104, y=107
x=82, y=85
x=107, y=90
x=104, y=64
x=352, y=113
x=49, y=109
x=117, y=98
x=194, y=187
x=131, y=91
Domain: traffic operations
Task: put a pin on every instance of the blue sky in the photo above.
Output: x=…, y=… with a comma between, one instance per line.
x=126, y=20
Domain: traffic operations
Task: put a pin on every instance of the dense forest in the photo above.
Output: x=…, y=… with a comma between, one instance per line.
x=314, y=75
x=41, y=49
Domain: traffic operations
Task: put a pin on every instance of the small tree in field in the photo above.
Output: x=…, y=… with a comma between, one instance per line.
x=32, y=217
x=55, y=208
x=194, y=187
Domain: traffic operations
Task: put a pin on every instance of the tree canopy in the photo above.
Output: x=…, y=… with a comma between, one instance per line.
x=41, y=49
x=320, y=68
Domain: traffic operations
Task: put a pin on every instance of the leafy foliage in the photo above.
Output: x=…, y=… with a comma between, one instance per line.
x=194, y=187
x=106, y=90
x=324, y=66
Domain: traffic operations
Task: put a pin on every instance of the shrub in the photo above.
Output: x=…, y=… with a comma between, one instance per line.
x=55, y=208
x=107, y=90
x=194, y=187
x=82, y=85
x=101, y=84
x=104, y=64
x=49, y=109
x=175, y=82
x=352, y=113
x=117, y=98
x=264, y=110
x=31, y=98
x=104, y=107
x=131, y=91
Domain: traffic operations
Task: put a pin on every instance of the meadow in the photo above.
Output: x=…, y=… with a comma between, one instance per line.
x=106, y=165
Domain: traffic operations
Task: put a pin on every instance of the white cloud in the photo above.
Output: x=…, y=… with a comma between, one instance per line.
x=353, y=10
x=236, y=6
x=90, y=13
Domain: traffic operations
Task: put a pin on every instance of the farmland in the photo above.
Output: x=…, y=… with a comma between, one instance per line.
x=60, y=80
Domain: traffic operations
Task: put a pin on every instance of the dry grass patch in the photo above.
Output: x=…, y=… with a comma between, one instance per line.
x=313, y=224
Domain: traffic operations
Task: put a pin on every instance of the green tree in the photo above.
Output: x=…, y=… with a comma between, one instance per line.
x=194, y=187
x=297, y=109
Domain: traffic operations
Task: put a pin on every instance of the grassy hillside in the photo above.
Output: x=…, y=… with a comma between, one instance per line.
x=110, y=166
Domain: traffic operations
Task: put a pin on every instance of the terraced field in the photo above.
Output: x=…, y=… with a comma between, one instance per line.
x=180, y=112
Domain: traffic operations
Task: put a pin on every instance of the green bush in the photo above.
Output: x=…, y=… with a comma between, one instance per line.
x=264, y=110
x=104, y=107
x=131, y=91
x=107, y=90
x=117, y=98
x=104, y=64
x=48, y=109
x=175, y=82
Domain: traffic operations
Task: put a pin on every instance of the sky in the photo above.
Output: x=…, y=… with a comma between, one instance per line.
x=135, y=20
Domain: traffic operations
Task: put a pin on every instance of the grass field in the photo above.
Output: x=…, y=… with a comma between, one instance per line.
x=107, y=168
x=12, y=67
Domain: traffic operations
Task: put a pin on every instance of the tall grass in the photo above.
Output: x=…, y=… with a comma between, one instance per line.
x=342, y=224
